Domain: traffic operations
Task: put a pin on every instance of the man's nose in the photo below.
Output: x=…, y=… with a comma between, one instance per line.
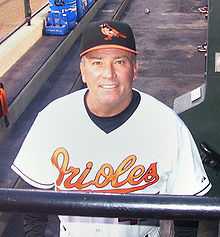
x=108, y=71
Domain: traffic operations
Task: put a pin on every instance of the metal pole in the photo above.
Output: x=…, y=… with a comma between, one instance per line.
x=27, y=11
x=110, y=205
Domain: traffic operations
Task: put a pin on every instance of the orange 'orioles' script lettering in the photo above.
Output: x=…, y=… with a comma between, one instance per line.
x=106, y=175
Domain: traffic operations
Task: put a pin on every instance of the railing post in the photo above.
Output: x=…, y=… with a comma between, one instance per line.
x=27, y=11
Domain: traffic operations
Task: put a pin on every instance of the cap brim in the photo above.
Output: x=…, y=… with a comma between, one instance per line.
x=107, y=46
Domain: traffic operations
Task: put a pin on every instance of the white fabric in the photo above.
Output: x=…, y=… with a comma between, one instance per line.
x=102, y=227
x=152, y=152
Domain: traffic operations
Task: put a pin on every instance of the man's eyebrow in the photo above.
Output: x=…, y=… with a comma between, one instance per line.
x=93, y=57
x=122, y=56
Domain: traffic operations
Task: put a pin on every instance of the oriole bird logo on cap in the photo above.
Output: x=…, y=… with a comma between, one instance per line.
x=110, y=32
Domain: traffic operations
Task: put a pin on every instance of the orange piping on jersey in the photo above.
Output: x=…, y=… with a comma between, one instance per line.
x=136, y=176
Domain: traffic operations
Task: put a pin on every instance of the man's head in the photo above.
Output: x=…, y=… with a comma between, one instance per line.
x=108, y=66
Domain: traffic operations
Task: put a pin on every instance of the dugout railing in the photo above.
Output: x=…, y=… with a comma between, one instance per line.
x=110, y=205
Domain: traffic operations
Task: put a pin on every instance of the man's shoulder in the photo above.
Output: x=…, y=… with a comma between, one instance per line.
x=72, y=97
x=66, y=102
x=153, y=103
x=151, y=108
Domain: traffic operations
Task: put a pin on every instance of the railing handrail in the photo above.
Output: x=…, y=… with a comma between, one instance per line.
x=22, y=24
x=110, y=205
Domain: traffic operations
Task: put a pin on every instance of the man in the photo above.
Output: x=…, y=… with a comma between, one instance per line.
x=110, y=138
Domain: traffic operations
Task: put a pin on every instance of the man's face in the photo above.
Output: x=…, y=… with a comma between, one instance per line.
x=109, y=74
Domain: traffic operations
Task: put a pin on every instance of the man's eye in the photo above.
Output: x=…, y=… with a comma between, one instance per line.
x=120, y=61
x=96, y=63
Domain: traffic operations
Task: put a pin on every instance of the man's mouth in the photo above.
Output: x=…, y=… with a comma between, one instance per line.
x=108, y=86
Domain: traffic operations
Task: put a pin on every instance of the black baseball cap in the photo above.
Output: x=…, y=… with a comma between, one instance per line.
x=107, y=34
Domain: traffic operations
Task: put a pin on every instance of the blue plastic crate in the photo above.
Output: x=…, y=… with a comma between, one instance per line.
x=90, y=3
x=60, y=23
x=61, y=2
x=58, y=30
x=71, y=17
x=82, y=7
x=56, y=24
x=59, y=7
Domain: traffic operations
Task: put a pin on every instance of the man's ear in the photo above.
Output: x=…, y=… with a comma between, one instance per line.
x=82, y=70
x=135, y=71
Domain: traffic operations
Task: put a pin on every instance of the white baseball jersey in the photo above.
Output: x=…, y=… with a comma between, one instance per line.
x=152, y=152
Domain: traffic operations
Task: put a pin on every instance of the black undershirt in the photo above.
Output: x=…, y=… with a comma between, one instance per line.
x=108, y=124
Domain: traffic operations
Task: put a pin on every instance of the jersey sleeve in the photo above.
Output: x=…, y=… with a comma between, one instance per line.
x=33, y=160
x=188, y=176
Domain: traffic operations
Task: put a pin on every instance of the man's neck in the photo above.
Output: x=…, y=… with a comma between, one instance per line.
x=106, y=110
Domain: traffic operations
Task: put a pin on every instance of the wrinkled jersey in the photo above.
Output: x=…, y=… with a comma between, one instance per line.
x=152, y=152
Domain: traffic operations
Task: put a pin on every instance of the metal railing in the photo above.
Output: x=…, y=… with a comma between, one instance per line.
x=12, y=21
x=114, y=205
x=27, y=11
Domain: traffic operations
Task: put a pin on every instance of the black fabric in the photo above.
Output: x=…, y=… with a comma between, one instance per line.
x=107, y=33
x=108, y=124
x=34, y=223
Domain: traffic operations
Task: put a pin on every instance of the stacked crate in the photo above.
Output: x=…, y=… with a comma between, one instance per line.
x=64, y=14
x=82, y=7
x=61, y=18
